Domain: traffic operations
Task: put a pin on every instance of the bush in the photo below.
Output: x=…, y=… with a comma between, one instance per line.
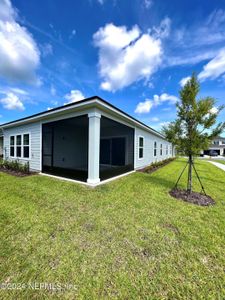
x=156, y=165
x=15, y=165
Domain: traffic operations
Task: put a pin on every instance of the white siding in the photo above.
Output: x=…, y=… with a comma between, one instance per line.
x=35, y=143
x=149, y=140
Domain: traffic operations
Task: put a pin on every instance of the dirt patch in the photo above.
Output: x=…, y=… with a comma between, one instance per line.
x=172, y=228
x=193, y=197
x=16, y=173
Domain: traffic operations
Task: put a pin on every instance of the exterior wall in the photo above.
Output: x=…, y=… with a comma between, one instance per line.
x=149, y=140
x=70, y=152
x=35, y=143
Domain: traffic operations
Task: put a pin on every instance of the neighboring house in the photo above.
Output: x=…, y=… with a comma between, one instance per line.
x=90, y=140
x=217, y=145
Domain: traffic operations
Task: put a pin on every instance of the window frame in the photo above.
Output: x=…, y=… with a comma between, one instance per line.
x=10, y=146
x=141, y=147
x=21, y=145
x=161, y=149
x=155, y=149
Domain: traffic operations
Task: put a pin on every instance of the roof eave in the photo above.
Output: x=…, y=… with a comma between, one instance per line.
x=81, y=104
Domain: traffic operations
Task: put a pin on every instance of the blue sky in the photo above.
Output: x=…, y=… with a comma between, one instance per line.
x=134, y=54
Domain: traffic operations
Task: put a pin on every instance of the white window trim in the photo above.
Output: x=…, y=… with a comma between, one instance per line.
x=142, y=147
x=22, y=146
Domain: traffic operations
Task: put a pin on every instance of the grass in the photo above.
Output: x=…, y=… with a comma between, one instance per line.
x=125, y=240
x=219, y=161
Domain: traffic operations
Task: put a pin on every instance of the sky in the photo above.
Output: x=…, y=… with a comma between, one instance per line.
x=136, y=54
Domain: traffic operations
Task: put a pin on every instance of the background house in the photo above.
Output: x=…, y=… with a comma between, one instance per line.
x=218, y=145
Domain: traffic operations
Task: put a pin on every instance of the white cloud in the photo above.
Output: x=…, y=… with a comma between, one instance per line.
x=144, y=107
x=214, y=68
x=19, y=54
x=161, y=124
x=46, y=49
x=126, y=56
x=74, y=96
x=184, y=80
x=154, y=119
x=73, y=33
x=165, y=98
x=213, y=110
x=148, y=104
x=163, y=30
x=148, y=3
x=53, y=90
x=198, y=42
x=11, y=102
x=13, y=90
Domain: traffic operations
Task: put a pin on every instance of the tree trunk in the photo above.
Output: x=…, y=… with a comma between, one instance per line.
x=189, y=183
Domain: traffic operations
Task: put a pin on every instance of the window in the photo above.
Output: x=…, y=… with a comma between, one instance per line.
x=166, y=149
x=12, y=146
x=161, y=149
x=141, y=147
x=155, y=148
x=26, y=146
x=20, y=146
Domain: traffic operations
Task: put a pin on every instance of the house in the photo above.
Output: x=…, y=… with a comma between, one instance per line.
x=218, y=145
x=90, y=141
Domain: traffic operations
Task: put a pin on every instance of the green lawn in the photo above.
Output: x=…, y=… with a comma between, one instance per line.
x=219, y=161
x=125, y=240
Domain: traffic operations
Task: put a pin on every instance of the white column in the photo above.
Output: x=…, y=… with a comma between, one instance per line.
x=93, y=147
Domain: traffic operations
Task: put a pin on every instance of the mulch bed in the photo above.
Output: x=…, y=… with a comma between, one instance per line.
x=193, y=197
x=16, y=173
x=152, y=168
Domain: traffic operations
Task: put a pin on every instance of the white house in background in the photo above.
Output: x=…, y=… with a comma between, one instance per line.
x=218, y=145
x=90, y=140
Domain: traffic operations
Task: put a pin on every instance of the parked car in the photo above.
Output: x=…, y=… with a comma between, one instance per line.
x=213, y=153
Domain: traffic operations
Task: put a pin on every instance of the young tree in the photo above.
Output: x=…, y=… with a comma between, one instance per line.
x=194, y=129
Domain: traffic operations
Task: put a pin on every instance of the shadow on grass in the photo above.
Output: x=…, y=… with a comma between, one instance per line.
x=159, y=181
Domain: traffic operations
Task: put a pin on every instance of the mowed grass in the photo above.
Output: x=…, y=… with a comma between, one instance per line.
x=125, y=240
x=219, y=161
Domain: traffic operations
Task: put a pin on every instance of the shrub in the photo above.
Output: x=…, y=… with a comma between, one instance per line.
x=156, y=165
x=15, y=165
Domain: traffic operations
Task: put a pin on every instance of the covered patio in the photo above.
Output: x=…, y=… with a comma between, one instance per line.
x=87, y=148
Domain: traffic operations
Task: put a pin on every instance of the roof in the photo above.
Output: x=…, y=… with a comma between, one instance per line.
x=74, y=105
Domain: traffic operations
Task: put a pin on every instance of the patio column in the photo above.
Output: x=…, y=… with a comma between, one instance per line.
x=93, y=147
